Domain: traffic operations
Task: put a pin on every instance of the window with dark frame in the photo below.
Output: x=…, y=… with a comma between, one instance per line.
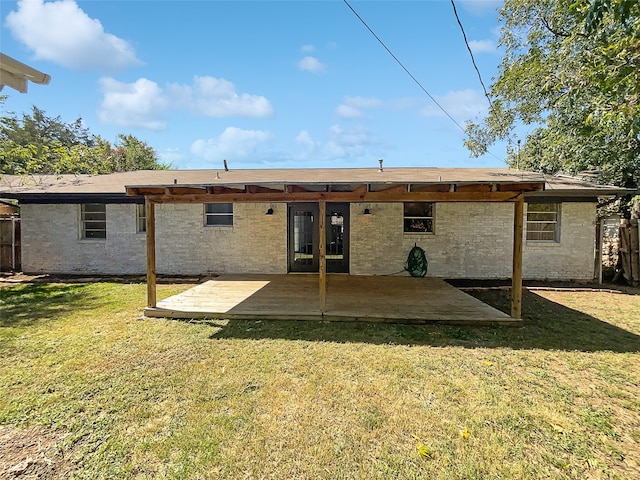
x=218, y=214
x=141, y=218
x=543, y=222
x=418, y=217
x=93, y=218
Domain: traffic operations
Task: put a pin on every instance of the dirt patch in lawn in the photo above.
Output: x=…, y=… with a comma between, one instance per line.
x=30, y=454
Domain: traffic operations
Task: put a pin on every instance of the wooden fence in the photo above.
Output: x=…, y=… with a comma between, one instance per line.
x=10, y=253
x=629, y=255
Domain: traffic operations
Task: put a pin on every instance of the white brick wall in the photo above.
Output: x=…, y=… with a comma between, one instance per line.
x=573, y=257
x=471, y=240
x=256, y=242
x=51, y=241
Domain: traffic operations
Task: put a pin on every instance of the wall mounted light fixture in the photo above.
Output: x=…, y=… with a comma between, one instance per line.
x=269, y=211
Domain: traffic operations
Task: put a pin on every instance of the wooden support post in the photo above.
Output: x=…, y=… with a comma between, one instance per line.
x=516, y=275
x=150, y=220
x=634, y=245
x=13, y=244
x=599, y=246
x=322, y=220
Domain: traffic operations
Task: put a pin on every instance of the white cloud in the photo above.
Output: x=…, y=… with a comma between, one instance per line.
x=341, y=144
x=363, y=102
x=304, y=138
x=351, y=137
x=353, y=107
x=144, y=103
x=63, y=33
x=311, y=64
x=139, y=104
x=348, y=111
x=172, y=156
x=478, y=46
x=461, y=104
x=307, y=48
x=233, y=143
x=217, y=97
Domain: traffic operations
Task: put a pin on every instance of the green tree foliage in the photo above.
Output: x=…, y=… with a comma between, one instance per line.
x=37, y=144
x=571, y=71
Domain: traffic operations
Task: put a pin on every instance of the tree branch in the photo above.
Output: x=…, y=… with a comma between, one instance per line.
x=558, y=33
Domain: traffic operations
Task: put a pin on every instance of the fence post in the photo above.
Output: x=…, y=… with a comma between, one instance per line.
x=635, y=255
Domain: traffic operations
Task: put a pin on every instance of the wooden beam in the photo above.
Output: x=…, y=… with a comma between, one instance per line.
x=436, y=192
x=599, y=245
x=252, y=189
x=322, y=220
x=220, y=190
x=432, y=187
x=516, y=275
x=521, y=187
x=139, y=192
x=473, y=187
x=295, y=189
x=352, y=197
x=361, y=189
x=184, y=190
x=151, y=252
x=401, y=189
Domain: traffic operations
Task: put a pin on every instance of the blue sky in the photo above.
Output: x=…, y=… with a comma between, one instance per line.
x=263, y=84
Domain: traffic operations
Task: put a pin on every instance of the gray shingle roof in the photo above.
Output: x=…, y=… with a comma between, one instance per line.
x=114, y=184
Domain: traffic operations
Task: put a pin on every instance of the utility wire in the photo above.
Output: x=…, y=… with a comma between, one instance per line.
x=473, y=60
x=403, y=67
x=415, y=79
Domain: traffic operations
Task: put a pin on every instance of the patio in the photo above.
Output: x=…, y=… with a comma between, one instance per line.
x=348, y=298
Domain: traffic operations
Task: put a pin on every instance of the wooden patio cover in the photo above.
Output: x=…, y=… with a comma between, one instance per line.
x=349, y=185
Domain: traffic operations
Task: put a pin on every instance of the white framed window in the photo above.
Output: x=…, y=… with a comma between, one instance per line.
x=93, y=220
x=218, y=214
x=543, y=222
x=141, y=218
x=419, y=217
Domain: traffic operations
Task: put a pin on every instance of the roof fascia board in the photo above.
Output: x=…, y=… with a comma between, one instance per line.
x=63, y=198
x=18, y=69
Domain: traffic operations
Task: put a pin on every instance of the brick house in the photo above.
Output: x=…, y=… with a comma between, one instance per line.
x=266, y=221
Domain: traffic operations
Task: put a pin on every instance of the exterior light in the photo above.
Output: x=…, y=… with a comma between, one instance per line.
x=269, y=211
x=366, y=211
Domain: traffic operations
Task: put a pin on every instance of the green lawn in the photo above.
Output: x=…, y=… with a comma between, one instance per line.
x=126, y=397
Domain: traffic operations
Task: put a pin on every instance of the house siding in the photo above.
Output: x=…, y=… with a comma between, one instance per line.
x=470, y=240
x=52, y=243
x=256, y=243
x=573, y=257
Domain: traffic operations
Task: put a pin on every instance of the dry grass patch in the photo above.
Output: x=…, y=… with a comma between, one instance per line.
x=32, y=453
x=152, y=398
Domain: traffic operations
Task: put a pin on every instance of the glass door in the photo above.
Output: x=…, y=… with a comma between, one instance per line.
x=303, y=237
x=337, y=237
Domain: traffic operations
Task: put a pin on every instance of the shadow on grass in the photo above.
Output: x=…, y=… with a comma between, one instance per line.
x=547, y=325
x=28, y=304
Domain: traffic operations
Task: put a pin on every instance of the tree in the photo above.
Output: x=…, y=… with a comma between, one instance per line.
x=37, y=144
x=571, y=71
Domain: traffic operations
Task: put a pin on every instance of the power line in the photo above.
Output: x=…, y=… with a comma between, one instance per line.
x=415, y=79
x=473, y=60
x=404, y=68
